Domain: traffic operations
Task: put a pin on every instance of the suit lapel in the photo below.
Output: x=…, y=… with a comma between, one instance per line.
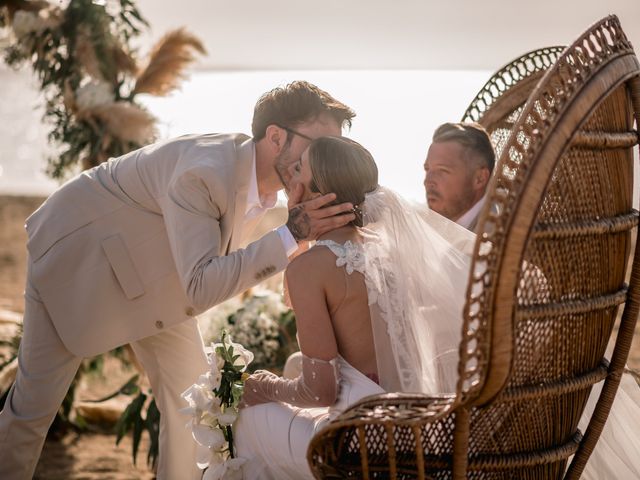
x=244, y=162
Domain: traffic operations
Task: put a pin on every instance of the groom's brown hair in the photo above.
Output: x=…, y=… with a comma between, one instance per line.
x=295, y=103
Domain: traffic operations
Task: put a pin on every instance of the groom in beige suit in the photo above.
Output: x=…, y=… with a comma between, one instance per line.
x=130, y=251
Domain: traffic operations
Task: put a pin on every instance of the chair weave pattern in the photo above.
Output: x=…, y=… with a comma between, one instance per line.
x=549, y=278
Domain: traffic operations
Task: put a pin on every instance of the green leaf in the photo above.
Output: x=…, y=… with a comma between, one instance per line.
x=152, y=424
x=138, y=428
x=129, y=388
x=128, y=417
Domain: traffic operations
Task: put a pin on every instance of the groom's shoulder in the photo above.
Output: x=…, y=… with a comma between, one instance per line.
x=210, y=143
x=208, y=151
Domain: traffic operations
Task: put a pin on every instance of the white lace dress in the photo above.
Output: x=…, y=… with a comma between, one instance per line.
x=273, y=437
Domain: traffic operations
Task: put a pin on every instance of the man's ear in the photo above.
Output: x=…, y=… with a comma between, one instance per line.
x=276, y=138
x=482, y=178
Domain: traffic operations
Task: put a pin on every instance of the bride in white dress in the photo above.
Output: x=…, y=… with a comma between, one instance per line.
x=379, y=308
x=354, y=337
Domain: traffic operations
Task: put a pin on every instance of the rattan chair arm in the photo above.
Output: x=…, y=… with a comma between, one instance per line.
x=406, y=409
x=387, y=412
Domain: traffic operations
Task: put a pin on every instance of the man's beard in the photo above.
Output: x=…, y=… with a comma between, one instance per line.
x=281, y=166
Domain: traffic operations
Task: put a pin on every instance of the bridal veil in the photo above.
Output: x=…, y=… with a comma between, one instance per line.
x=417, y=268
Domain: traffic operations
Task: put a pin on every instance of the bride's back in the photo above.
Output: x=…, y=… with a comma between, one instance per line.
x=345, y=296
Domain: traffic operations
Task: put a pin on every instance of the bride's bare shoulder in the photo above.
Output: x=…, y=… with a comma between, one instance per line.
x=316, y=264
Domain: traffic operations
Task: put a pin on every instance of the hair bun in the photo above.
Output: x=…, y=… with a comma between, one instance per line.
x=359, y=220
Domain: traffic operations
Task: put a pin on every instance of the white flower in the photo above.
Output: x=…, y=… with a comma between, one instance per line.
x=206, y=457
x=264, y=322
x=271, y=346
x=214, y=375
x=245, y=356
x=229, y=470
x=94, y=94
x=273, y=305
x=198, y=396
x=214, y=320
x=352, y=257
x=208, y=437
x=227, y=418
x=210, y=417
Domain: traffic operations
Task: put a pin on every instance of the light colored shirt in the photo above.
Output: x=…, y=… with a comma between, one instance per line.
x=466, y=219
x=257, y=205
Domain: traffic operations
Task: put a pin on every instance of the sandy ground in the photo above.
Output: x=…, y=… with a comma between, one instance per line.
x=88, y=455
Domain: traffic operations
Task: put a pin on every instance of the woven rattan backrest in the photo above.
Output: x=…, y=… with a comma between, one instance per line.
x=548, y=278
x=499, y=102
x=548, y=271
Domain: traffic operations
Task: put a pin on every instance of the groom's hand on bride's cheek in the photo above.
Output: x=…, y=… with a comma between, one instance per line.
x=310, y=219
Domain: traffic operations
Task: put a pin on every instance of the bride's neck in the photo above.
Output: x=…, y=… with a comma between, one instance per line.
x=340, y=234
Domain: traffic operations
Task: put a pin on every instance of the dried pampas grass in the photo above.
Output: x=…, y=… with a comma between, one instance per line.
x=126, y=122
x=69, y=97
x=123, y=60
x=167, y=61
x=119, y=59
x=13, y=6
x=86, y=54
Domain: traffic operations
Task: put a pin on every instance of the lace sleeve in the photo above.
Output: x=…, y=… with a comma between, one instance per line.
x=317, y=385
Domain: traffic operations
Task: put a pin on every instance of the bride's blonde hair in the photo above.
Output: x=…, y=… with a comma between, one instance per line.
x=344, y=167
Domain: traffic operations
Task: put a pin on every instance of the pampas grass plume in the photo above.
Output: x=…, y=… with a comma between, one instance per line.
x=167, y=61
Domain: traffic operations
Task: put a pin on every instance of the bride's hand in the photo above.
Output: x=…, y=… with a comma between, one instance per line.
x=311, y=218
x=253, y=391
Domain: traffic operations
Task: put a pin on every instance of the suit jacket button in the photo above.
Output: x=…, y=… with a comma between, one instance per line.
x=159, y=324
x=190, y=311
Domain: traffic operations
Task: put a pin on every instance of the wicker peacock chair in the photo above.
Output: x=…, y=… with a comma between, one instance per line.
x=499, y=102
x=542, y=299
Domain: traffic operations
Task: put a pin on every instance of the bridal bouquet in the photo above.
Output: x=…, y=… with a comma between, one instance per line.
x=213, y=405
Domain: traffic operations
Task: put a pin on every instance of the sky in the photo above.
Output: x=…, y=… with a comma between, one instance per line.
x=396, y=111
x=396, y=114
x=405, y=67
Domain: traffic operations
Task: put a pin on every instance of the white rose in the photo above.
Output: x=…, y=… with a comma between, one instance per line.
x=94, y=94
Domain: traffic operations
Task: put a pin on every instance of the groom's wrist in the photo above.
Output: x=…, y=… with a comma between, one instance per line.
x=288, y=241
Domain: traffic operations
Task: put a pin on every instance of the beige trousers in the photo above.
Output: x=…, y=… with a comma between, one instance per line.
x=172, y=359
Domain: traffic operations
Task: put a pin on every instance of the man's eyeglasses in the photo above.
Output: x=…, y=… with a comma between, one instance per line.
x=294, y=132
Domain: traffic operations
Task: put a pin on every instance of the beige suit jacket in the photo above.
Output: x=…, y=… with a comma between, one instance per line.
x=147, y=240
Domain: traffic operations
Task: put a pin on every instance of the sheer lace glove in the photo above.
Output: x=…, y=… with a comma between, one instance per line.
x=317, y=386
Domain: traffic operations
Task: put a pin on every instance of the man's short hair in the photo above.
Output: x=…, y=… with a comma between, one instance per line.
x=295, y=103
x=472, y=136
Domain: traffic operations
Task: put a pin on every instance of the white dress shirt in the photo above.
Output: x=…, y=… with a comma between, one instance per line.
x=466, y=219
